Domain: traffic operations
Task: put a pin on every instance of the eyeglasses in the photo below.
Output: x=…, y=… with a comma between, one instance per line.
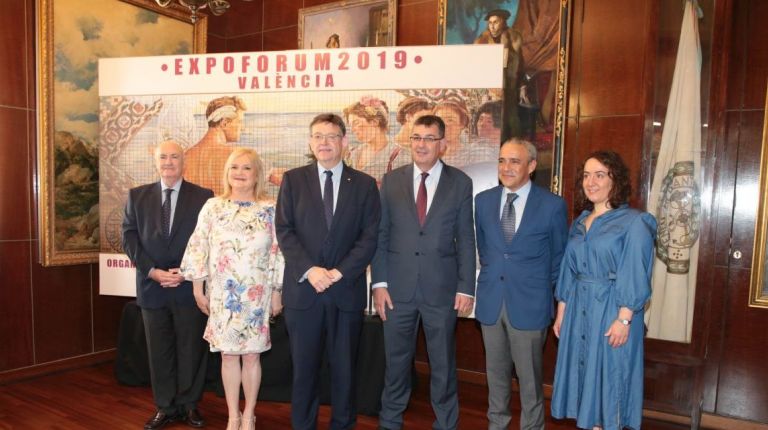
x=332, y=138
x=425, y=139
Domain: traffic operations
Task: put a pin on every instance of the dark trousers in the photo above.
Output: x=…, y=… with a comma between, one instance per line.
x=400, y=332
x=178, y=356
x=323, y=329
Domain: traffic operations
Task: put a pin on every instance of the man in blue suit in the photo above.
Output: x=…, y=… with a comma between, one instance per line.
x=159, y=218
x=521, y=235
x=324, y=287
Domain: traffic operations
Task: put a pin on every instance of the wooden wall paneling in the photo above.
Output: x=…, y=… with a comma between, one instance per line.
x=13, y=54
x=107, y=311
x=244, y=17
x=14, y=174
x=32, y=178
x=742, y=389
x=215, y=44
x=668, y=387
x=16, y=331
x=281, y=39
x=62, y=311
x=252, y=42
x=737, y=53
x=417, y=23
x=719, y=241
x=756, y=66
x=613, y=52
x=281, y=13
x=747, y=195
x=470, y=353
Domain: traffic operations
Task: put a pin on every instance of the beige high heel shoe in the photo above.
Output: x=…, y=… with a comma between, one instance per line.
x=234, y=423
x=249, y=424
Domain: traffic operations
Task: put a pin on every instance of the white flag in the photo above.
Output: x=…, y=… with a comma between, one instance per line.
x=675, y=198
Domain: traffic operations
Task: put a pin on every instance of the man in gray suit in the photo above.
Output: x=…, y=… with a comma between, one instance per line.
x=423, y=270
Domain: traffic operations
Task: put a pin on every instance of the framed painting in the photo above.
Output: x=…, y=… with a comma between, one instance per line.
x=535, y=35
x=71, y=36
x=348, y=24
x=758, y=289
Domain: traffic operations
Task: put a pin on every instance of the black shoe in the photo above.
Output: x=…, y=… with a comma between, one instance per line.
x=159, y=420
x=194, y=419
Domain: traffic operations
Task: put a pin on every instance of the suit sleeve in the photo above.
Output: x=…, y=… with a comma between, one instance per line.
x=357, y=259
x=285, y=227
x=132, y=240
x=465, y=242
x=558, y=237
x=379, y=264
x=479, y=232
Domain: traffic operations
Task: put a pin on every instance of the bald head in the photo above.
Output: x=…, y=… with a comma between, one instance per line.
x=169, y=161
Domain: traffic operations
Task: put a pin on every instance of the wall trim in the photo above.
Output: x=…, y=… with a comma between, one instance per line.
x=69, y=363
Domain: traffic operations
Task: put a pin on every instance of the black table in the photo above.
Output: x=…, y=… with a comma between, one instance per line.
x=132, y=368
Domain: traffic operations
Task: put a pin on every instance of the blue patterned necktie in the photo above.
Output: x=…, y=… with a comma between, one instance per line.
x=167, y=212
x=328, y=198
x=508, y=217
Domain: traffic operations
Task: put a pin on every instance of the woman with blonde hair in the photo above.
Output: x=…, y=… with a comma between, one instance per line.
x=234, y=251
x=376, y=155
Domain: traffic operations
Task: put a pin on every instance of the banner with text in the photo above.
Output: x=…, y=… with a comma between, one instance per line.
x=378, y=92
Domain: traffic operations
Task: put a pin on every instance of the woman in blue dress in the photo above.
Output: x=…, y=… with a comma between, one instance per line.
x=604, y=284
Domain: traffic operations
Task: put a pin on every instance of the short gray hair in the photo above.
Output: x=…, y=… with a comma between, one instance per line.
x=530, y=147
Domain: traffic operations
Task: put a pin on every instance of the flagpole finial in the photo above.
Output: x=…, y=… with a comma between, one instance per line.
x=697, y=8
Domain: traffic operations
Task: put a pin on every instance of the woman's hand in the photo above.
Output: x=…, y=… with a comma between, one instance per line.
x=200, y=298
x=277, y=304
x=202, y=303
x=559, y=319
x=617, y=334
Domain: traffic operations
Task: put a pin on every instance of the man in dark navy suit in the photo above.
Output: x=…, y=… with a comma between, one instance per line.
x=521, y=234
x=327, y=221
x=159, y=218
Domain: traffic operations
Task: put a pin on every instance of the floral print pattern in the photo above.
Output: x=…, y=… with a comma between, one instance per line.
x=234, y=249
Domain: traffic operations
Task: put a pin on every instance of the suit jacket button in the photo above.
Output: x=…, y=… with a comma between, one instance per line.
x=421, y=233
x=416, y=253
x=501, y=278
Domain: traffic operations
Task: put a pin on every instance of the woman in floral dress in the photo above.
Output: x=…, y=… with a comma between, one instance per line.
x=234, y=250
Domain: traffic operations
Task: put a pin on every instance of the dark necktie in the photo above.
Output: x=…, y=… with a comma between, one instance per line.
x=328, y=198
x=508, y=217
x=421, y=199
x=167, y=212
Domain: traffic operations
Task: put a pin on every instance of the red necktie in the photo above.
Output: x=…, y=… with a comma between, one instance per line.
x=421, y=199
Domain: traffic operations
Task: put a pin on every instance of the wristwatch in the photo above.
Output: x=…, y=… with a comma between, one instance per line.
x=623, y=321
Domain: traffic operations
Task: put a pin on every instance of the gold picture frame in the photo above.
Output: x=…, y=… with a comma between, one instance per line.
x=758, y=286
x=348, y=24
x=71, y=36
x=463, y=22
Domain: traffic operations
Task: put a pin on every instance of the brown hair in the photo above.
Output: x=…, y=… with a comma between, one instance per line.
x=330, y=118
x=429, y=121
x=617, y=171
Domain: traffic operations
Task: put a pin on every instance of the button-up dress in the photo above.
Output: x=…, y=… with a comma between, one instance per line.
x=604, y=269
